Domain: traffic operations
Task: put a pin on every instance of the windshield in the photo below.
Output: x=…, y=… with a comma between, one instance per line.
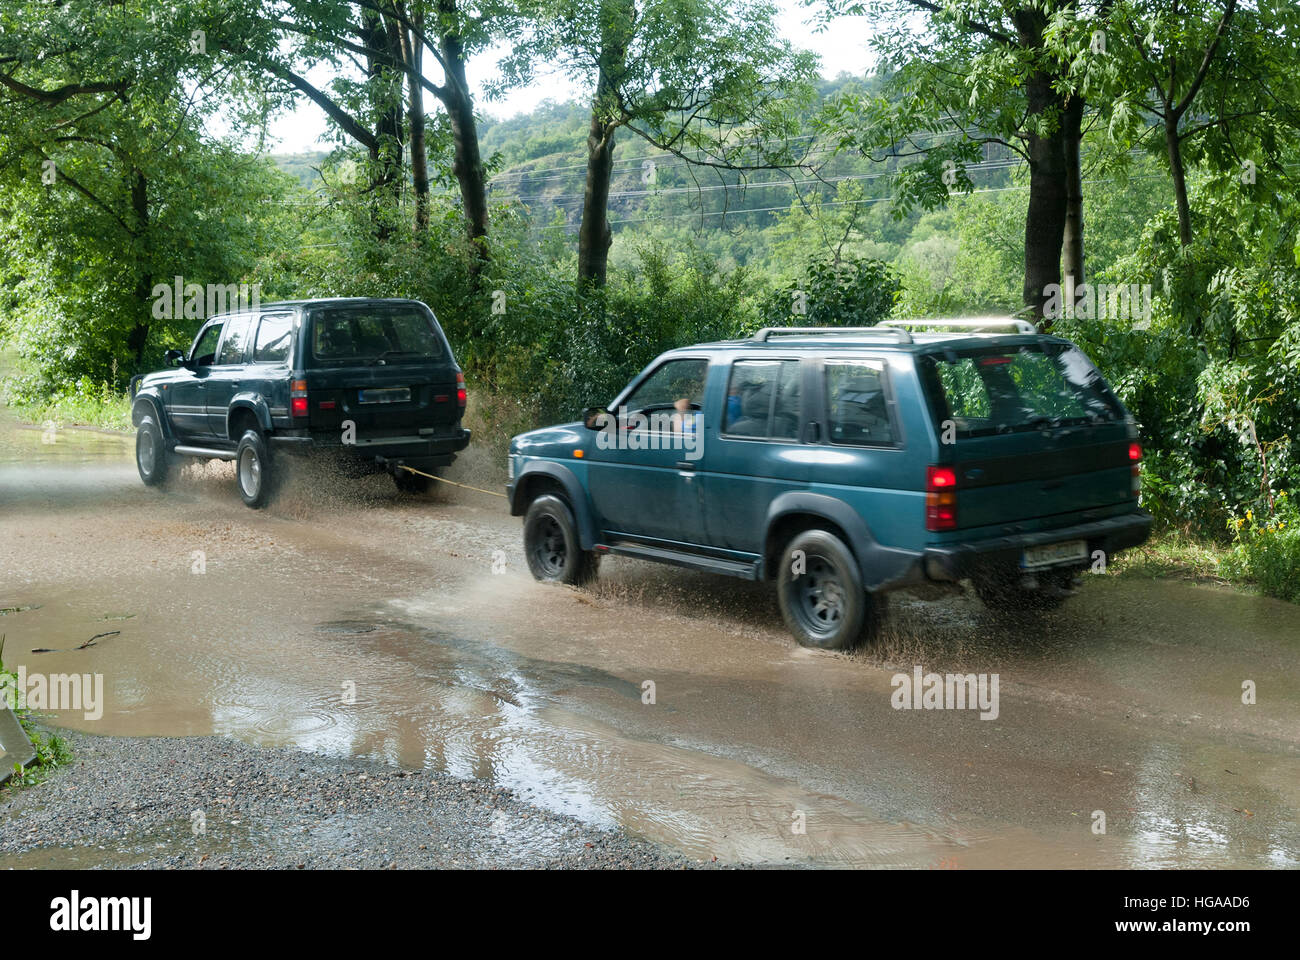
x=991, y=390
x=372, y=332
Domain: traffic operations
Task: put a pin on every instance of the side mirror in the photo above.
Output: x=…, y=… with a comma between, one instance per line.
x=173, y=358
x=593, y=417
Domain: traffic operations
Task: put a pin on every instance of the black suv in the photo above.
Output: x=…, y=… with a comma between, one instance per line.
x=370, y=381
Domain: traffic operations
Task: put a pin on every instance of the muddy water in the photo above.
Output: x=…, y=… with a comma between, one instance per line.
x=347, y=619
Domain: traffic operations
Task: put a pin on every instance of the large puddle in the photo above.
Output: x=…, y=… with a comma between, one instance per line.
x=349, y=620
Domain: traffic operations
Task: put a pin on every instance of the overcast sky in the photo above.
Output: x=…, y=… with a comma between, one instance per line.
x=842, y=49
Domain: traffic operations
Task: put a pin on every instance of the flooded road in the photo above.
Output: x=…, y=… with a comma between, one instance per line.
x=347, y=619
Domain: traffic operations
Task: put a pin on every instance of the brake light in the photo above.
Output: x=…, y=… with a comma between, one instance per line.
x=940, y=498
x=461, y=395
x=1135, y=455
x=1135, y=451
x=298, y=398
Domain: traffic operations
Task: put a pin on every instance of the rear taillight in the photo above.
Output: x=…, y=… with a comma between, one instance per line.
x=298, y=398
x=940, y=498
x=461, y=395
x=1135, y=455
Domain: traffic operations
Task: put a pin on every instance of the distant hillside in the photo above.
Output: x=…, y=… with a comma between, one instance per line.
x=538, y=160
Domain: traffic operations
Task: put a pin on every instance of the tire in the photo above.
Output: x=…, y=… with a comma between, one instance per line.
x=408, y=482
x=819, y=589
x=551, y=544
x=152, y=458
x=254, y=473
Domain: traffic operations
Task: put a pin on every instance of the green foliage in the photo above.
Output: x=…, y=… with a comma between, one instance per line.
x=848, y=293
x=570, y=350
x=84, y=403
x=1267, y=549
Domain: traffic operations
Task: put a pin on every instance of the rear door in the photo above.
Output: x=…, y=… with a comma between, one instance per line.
x=756, y=455
x=386, y=367
x=1035, y=436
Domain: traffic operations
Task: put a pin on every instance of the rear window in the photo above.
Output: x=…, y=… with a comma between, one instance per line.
x=273, y=333
x=393, y=333
x=858, y=407
x=991, y=390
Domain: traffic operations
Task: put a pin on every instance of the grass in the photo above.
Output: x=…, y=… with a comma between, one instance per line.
x=52, y=750
x=1172, y=555
x=86, y=404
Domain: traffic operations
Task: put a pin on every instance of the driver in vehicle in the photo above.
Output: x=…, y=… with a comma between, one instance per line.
x=683, y=419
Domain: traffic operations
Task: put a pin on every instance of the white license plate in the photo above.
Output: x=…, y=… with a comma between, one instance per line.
x=1050, y=554
x=385, y=395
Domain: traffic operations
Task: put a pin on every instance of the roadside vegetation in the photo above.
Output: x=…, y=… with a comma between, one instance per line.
x=986, y=160
x=52, y=750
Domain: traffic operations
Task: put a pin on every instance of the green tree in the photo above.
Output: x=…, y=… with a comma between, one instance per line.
x=707, y=81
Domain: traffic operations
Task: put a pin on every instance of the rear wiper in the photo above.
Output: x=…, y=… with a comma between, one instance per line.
x=393, y=353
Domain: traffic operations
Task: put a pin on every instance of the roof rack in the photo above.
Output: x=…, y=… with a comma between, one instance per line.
x=899, y=335
x=985, y=325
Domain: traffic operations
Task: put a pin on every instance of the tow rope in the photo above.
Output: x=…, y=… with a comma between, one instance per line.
x=490, y=493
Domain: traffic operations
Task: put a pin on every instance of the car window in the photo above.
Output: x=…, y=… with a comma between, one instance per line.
x=763, y=400
x=398, y=332
x=991, y=390
x=858, y=408
x=673, y=381
x=236, y=341
x=205, y=347
x=273, y=335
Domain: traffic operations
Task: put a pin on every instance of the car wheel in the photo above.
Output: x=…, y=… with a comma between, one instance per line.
x=820, y=592
x=408, y=482
x=253, y=472
x=151, y=456
x=551, y=543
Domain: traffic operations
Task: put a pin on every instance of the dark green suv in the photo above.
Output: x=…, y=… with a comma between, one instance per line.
x=370, y=382
x=844, y=463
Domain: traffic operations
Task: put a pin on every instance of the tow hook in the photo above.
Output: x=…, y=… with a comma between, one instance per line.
x=391, y=465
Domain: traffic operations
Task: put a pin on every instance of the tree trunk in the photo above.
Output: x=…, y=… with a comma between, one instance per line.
x=138, y=339
x=467, y=161
x=414, y=53
x=386, y=151
x=1046, y=216
x=1072, y=244
x=1174, y=144
x=595, y=236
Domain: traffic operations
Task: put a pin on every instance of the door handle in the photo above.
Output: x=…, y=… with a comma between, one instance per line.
x=686, y=465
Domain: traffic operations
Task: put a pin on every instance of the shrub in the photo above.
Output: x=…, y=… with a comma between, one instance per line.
x=1267, y=550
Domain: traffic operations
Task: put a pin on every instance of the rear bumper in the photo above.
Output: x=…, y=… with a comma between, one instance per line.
x=961, y=560
x=413, y=448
